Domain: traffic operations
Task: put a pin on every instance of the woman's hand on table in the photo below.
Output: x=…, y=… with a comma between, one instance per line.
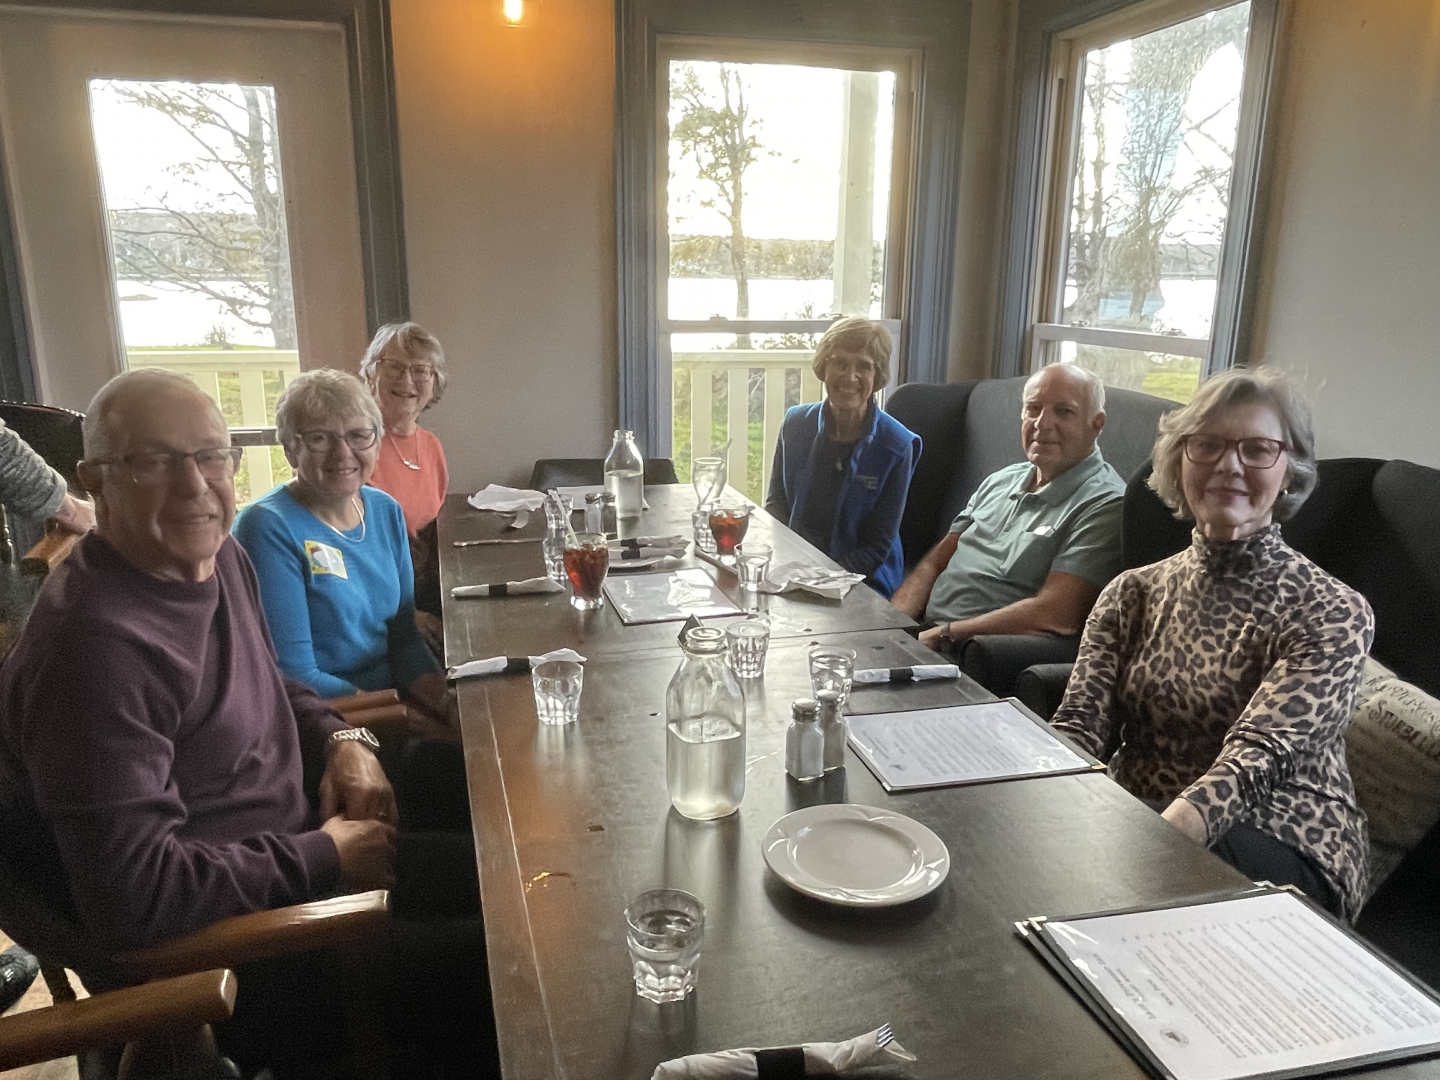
x=1182, y=814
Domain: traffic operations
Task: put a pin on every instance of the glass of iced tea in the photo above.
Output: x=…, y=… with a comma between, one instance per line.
x=728, y=524
x=587, y=558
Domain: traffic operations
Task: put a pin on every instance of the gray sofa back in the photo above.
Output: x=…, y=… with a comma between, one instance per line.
x=971, y=429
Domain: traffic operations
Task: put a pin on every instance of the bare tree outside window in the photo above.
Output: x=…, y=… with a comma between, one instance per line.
x=217, y=227
x=1151, y=189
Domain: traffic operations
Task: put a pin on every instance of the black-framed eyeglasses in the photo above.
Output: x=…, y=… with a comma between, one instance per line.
x=152, y=468
x=321, y=440
x=396, y=369
x=1254, y=452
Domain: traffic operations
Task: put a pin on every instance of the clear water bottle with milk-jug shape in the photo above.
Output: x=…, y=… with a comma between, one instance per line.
x=625, y=476
x=705, y=729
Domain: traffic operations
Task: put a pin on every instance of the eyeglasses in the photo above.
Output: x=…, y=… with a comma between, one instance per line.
x=153, y=468
x=844, y=366
x=420, y=374
x=1255, y=452
x=321, y=440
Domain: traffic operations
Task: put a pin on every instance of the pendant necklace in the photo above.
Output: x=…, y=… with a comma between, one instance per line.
x=394, y=441
x=353, y=539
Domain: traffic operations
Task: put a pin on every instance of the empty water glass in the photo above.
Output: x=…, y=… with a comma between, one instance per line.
x=557, y=518
x=832, y=667
x=749, y=642
x=557, y=690
x=663, y=931
x=700, y=525
x=752, y=560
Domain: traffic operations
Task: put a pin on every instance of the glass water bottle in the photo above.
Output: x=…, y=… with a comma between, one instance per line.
x=705, y=729
x=625, y=476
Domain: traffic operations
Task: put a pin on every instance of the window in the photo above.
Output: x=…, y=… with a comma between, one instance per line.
x=1145, y=188
x=733, y=259
x=200, y=254
x=778, y=218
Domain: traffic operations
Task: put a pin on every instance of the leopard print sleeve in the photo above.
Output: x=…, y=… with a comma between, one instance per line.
x=1087, y=714
x=1294, y=723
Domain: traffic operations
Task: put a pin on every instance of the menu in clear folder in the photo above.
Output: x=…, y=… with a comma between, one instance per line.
x=961, y=744
x=652, y=598
x=1259, y=985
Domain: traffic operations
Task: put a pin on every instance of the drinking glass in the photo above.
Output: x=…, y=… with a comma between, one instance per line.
x=557, y=517
x=728, y=523
x=587, y=559
x=557, y=690
x=708, y=476
x=749, y=642
x=753, y=560
x=700, y=525
x=663, y=931
x=832, y=667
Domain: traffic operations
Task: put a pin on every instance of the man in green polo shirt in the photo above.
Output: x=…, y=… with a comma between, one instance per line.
x=1038, y=540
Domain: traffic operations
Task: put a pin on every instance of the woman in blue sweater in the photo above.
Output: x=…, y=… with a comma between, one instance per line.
x=332, y=554
x=842, y=467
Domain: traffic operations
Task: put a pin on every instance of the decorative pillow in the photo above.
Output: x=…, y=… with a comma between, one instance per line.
x=1393, y=747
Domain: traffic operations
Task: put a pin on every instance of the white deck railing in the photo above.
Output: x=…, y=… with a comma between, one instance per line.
x=206, y=366
x=736, y=365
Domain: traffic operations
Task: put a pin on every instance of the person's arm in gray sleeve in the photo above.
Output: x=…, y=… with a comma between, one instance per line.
x=28, y=486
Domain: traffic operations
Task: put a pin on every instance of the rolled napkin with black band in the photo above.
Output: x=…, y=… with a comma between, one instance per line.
x=507, y=588
x=509, y=665
x=626, y=554
x=876, y=1047
x=639, y=543
x=914, y=673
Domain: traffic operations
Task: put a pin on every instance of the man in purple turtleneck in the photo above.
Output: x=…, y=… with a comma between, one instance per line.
x=144, y=725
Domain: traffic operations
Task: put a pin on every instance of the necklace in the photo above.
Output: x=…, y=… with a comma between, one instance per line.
x=353, y=539
x=394, y=441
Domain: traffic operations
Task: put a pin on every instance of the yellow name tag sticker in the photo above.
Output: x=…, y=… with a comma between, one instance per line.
x=325, y=559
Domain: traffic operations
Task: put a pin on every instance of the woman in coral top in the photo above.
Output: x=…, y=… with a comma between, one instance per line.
x=405, y=370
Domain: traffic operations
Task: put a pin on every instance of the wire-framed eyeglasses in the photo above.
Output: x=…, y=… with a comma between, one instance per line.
x=420, y=374
x=152, y=468
x=321, y=439
x=1254, y=452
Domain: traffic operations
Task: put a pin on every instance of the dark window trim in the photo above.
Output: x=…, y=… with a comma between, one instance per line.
x=938, y=29
x=366, y=24
x=1040, y=21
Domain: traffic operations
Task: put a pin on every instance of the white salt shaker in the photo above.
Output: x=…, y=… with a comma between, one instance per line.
x=804, y=743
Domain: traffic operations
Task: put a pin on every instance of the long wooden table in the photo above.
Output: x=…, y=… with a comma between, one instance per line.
x=526, y=625
x=571, y=822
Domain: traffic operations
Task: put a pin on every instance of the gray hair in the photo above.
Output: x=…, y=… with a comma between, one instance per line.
x=415, y=342
x=325, y=394
x=856, y=334
x=1272, y=386
x=97, y=429
x=1094, y=387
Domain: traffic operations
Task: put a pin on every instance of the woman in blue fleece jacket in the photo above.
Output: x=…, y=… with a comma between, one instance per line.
x=842, y=467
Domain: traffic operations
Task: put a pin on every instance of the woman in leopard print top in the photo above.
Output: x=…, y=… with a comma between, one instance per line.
x=1220, y=681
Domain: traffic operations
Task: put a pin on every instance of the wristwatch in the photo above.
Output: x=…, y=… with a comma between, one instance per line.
x=352, y=734
x=945, y=632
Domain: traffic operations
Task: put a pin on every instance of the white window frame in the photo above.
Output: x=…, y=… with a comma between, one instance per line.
x=1060, y=143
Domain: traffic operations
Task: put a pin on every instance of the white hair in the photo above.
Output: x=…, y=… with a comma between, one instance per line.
x=97, y=429
x=321, y=395
x=1094, y=388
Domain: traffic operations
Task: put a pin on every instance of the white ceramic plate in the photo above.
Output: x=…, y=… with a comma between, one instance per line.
x=858, y=856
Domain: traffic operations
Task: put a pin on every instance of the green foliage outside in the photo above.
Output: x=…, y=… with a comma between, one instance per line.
x=1173, y=377
x=754, y=482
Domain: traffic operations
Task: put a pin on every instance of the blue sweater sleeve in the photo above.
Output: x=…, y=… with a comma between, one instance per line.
x=877, y=532
x=280, y=569
x=410, y=657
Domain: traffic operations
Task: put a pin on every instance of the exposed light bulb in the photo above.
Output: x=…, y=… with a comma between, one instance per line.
x=513, y=11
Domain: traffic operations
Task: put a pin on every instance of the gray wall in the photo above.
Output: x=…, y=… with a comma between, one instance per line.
x=1351, y=280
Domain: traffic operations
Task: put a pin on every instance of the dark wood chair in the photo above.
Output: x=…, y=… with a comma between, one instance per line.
x=54, y=434
x=171, y=1012
x=575, y=472
x=344, y=925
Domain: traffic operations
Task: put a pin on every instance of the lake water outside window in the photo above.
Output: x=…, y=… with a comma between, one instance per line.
x=195, y=207
x=778, y=203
